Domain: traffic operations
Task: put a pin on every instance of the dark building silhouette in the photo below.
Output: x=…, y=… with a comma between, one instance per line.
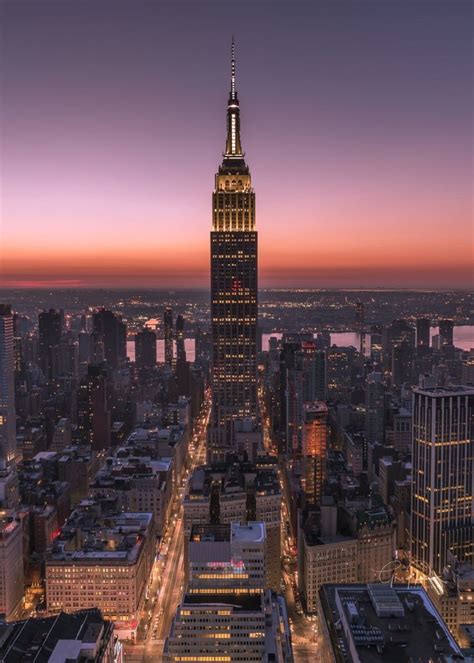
x=168, y=329
x=145, y=349
x=182, y=366
x=49, y=336
x=394, y=334
x=446, y=332
x=94, y=415
x=180, y=349
x=114, y=336
x=402, y=364
x=233, y=289
x=423, y=333
x=7, y=389
x=359, y=316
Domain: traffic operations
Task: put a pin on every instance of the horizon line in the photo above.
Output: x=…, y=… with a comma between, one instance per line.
x=360, y=288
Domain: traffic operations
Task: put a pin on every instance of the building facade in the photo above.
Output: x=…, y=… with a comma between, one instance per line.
x=442, y=459
x=315, y=434
x=233, y=289
x=101, y=560
x=7, y=389
x=11, y=566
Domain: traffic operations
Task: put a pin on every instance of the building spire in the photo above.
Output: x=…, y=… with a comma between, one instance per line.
x=233, y=93
x=233, y=148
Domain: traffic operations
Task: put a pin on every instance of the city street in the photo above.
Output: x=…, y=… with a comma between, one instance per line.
x=168, y=572
x=303, y=628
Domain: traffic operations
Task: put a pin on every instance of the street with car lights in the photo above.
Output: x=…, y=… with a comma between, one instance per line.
x=168, y=571
x=303, y=627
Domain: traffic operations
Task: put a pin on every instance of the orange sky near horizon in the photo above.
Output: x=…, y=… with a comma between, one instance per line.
x=356, y=123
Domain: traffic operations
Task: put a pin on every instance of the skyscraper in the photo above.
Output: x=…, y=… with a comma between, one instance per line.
x=49, y=333
x=359, y=316
x=168, y=332
x=114, y=336
x=446, y=331
x=180, y=349
x=182, y=366
x=233, y=288
x=423, y=333
x=442, y=497
x=145, y=349
x=7, y=389
x=375, y=408
x=314, y=449
x=93, y=408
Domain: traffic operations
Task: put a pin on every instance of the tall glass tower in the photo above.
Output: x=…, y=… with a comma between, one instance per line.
x=442, y=517
x=233, y=289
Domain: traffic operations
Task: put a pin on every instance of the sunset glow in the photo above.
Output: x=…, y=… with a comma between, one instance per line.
x=105, y=173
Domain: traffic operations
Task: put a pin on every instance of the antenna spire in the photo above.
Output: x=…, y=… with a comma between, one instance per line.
x=233, y=147
x=233, y=93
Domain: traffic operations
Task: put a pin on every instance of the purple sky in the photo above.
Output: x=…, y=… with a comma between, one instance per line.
x=356, y=121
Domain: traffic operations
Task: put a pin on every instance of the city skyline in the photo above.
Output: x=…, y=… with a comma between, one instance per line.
x=236, y=413
x=370, y=133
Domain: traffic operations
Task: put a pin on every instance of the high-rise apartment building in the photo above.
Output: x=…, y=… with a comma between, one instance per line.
x=339, y=361
x=314, y=449
x=168, y=334
x=233, y=289
x=7, y=389
x=94, y=413
x=442, y=459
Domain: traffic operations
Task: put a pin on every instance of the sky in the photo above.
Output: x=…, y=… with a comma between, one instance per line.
x=356, y=122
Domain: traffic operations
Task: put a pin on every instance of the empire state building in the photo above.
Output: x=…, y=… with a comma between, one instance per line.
x=233, y=292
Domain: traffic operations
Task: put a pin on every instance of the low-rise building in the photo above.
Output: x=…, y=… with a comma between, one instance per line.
x=101, y=558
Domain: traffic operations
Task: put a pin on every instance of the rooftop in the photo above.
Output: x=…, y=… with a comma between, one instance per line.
x=252, y=532
x=377, y=623
x=454, y=390
x=54, y=638
x=94, y=533
x=243, y=602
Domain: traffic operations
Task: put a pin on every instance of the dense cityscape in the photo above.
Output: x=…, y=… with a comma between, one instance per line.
x=281, y=475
